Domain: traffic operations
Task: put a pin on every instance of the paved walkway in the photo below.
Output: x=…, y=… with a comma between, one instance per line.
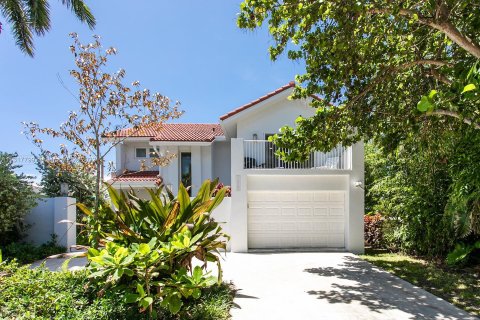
x=307, y=286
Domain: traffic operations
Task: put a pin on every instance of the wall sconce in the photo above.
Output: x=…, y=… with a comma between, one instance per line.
x=358, y=184
x=255, y=136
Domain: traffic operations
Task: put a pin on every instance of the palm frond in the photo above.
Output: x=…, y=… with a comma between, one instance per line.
x=14, y=13
x=82, y=11
x=38, y=12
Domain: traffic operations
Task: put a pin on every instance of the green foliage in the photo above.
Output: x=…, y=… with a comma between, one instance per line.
x=372, y=63
x=428, y=190
x=462, y=253
x=80, y=183
x=150, y=245
x=41, y=294
x=28, y=253
x=16, y=199
x=81, y=186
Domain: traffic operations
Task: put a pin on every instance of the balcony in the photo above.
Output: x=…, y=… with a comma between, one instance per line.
x=260, y=155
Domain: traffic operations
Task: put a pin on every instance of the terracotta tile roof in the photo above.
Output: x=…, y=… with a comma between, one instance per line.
x=254, y=102
x=137, y=176
x=191, y=132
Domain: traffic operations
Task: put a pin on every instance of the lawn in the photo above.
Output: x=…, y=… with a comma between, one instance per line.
x=460, y=287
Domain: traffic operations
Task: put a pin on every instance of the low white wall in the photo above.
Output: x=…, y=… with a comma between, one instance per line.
x=221, y=214
x=45, y=220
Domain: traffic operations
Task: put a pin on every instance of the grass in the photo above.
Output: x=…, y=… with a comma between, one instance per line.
x=460, y=287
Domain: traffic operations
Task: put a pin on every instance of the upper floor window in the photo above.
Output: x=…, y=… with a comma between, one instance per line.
x=142, y=153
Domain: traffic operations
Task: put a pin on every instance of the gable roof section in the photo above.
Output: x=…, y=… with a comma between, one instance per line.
x=188, y=132
x=255, y=102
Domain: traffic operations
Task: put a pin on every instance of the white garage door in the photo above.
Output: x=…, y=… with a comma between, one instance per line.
x=296, y=219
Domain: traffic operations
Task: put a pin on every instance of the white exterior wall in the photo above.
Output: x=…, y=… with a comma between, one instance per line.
x=271, y=117
x=221, y=162
x=206, y=157
x=356, y=198
x=129, y=161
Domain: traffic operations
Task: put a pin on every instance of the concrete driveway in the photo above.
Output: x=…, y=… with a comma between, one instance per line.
x=325, y=286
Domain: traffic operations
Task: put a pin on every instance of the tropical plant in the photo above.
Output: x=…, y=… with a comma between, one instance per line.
x=106, y=106
x=16, y=199
x=150, y=245
x=462, y=253
x=29, y=18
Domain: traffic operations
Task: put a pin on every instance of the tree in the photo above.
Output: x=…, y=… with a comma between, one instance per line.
x=17, y=198
x=29, y=18
x=106, y=106
x=383, y=68
x=81, y=185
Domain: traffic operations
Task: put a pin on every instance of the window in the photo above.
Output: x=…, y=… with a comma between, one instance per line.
x=141, y=152
x=186, y=170
x=153, y=153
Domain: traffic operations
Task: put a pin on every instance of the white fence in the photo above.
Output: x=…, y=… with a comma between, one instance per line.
x=261, y=154
x=53, y=216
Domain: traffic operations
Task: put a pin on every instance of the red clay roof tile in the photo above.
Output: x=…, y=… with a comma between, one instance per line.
x=188, y=132
x=137, y=176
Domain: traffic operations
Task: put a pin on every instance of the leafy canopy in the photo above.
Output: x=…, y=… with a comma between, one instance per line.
x=16, y=198
x=387, y=66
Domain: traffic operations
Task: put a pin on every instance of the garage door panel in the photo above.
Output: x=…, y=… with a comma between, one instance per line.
x=304, y=211
x=321, y=196
x=289, y=211
x=337, y=196
x=320, y=211
x=305, y=196
x=292, y=219
x=336, y=211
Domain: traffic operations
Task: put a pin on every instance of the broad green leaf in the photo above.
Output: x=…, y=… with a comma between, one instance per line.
x=432, y=94
x=469, y=87
x=174, y=304
x=140, y=290
x=144, y=249
x=145, y=302
x=424, y=104
x=131, y=297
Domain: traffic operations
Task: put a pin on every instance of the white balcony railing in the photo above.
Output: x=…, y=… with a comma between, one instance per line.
x=260, y=154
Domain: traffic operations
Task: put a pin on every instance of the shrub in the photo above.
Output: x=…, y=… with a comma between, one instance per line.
x=27, y=252
x=150, y=245
x=41, y=294
x=373, y=230
x=16, y=199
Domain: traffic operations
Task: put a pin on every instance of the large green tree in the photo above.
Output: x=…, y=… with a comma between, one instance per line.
x=32, y=17
x=382, y=67
x=16, y=199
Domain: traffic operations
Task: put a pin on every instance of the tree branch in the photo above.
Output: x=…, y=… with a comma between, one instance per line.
x=441, y=112
x=443, y=26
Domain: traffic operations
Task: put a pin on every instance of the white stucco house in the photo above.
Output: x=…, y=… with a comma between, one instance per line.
x=274, y=204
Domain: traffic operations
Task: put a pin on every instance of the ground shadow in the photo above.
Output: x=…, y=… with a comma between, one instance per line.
x=359, y=281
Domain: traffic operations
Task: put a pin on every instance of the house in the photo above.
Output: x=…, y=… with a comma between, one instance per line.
x=274, y=204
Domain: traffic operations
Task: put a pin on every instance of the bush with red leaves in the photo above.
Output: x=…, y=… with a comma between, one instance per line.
x=373, y=230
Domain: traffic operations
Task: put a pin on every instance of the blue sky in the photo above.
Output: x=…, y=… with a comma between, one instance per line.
x=191, y=51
